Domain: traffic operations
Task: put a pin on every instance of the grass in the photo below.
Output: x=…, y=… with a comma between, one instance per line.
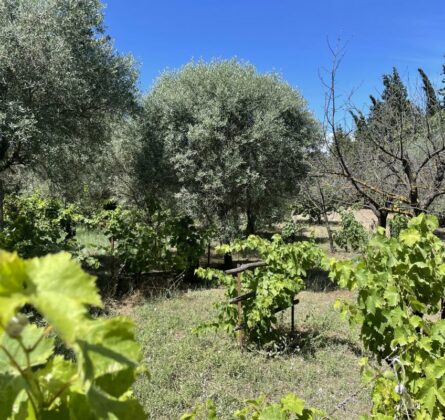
x=187, y=369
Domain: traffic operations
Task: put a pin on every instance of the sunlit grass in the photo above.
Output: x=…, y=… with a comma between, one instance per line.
x=187, y=369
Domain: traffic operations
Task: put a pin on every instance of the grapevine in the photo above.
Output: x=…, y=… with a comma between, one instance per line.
x=35, y=382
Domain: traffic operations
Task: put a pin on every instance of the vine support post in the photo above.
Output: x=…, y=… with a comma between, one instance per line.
x=208, y=254
x=240, y=312
x=113, y=266
x=292, y=318
x=442, y=311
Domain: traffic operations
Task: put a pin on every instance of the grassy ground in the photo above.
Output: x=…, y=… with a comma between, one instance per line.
x=187, y=369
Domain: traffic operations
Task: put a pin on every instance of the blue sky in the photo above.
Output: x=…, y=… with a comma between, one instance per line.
x=287, y=36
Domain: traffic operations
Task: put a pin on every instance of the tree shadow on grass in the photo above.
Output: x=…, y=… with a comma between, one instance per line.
x=318, y=281
x=307, y=343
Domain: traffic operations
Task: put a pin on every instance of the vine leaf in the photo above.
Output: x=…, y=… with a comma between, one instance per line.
x=30, y=336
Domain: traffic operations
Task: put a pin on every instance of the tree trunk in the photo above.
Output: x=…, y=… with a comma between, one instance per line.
x=382, y=218
x=251, y=219
x=228, y=261
x=2, y=204
x=330, y=236
x=326, y=220
x=442, y=311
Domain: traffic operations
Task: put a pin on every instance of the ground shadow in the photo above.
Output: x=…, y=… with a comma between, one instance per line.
x=318, y=280
x=306, y=342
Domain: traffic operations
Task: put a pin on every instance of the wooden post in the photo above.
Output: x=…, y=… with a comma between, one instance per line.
x=240, y=311
x=113, y=268
x=292, y=317
x=442, y=311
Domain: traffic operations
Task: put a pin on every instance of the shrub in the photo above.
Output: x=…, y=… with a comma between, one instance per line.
x=289, y=407
x=167, y=243
x=397, y=224
x=35, y=225
x=352, y=235
x=292, y=232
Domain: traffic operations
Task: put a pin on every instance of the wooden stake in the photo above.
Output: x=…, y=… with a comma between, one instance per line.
x=208, y=254
x=240, y=311
x=292, y=318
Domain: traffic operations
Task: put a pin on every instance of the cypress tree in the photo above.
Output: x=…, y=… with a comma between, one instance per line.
x=432, y=103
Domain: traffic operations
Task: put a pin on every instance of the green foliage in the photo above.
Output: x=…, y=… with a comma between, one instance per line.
x=61, y=83
x=36, y=383
x=292, y=231
x=187, y=241
x=397, y=224
x=352, y=235
x=35, y=225
x=275, y=284
x=289, y=407
x=432, y=101
x=218, y=129
x=401, y=283
x=166, y=243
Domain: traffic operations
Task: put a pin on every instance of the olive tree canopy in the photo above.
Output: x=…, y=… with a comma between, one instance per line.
x=61, y=82
x=235, y=140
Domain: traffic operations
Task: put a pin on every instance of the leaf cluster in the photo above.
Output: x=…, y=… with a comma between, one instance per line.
x=167, y=243
x=401, y=284
x=34, y=381
x=35, y=225
x=289, y=407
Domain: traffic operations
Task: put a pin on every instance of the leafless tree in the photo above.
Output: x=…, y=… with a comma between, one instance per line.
x=395, y=155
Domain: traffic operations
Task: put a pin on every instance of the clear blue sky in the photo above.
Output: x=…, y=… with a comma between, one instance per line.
x=287, y=36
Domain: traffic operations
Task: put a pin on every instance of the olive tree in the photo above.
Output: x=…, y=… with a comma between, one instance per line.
x=61, y=83
x=234, y=139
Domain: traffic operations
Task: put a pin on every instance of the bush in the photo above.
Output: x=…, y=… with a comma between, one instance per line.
x=289, y=407
x=167, y=243
x=397, y=224
x=352, y=235
x=35, y=225
x=275, y=284
x=292, y=232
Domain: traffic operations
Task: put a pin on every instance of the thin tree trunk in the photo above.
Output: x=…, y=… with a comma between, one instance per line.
x=326, y=220
x=382, y=218
x=208, y=254
x=328, y=228
x=228, y=261
x=442, y=311
x=251, y=219
x=2, y=204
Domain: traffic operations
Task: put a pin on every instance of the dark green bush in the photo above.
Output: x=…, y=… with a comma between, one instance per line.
x=351, y=236
x=166, y=243
x=397, y=224
x=292, y=232
x=35, y=225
